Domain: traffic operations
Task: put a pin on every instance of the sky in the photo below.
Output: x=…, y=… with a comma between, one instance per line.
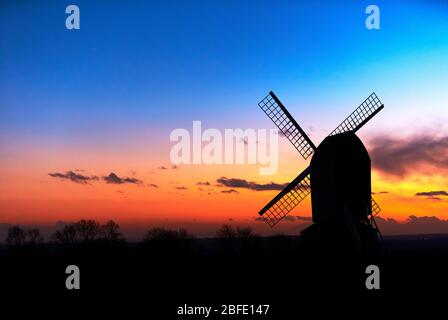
x=86, y=115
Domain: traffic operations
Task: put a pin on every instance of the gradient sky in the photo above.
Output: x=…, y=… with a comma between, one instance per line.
x=105, y=98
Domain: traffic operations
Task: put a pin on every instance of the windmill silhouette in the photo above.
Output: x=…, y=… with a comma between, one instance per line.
x=338, y=179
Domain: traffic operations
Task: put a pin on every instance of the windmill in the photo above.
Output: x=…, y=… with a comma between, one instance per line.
x=338, y=178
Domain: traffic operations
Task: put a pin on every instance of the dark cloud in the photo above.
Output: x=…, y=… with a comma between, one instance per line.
x=413, y=225
x=153, y=185
x=399, y=157
x=174, y=167
x=241, y=183
x=114, y=179
x=181, y=188
x=432, y=193
x=381, y=192
x=162, y=168
x=230, y=191
x=72, y=176
x=205, y=183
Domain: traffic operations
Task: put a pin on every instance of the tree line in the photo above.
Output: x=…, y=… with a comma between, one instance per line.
x=90, y=231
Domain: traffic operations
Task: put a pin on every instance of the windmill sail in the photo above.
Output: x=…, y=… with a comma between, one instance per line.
x=277, y=112
x=366, y=111
x=299, y=188
x=375, y=208
x=287, y=199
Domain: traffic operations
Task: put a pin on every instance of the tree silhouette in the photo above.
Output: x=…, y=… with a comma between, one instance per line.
x=16, y=236
x=109, y=232
x=87, y=230
x=166, y=234
x=68, y=235
x=19, y=237
x=228, y=232
x=34, y=237
x=245, y=232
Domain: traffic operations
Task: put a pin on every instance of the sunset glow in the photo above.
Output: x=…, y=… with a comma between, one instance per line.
x=105, y=99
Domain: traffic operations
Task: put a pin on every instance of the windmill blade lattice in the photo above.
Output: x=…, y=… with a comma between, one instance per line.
x=371, y=106
x=277, y=112
x=287, y=199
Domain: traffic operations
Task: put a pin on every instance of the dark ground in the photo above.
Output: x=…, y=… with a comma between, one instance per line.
x=258, y=267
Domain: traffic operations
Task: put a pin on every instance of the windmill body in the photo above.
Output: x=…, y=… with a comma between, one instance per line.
x=338, y=178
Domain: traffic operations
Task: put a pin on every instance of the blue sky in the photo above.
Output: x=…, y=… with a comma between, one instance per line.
x=159, y=65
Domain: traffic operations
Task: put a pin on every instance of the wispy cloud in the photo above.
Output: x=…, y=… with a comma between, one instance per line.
x=114, y=179
x=74, y=177
x=230, y=191
x=401, y=156
x=241, y=183
x=432, y=193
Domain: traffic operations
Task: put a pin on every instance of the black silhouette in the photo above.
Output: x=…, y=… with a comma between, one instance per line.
x=338, y=179
x=19, y=237
x=175, y=263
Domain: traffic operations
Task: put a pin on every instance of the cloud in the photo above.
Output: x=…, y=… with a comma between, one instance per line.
x=230, y=191
x=431, y=193
x=241, y=183
x=381, y=192
x=153, y=185
x=181, y=188
x=114, y=179
x=206, y=183
x=174, y=167
x=399, y=157
x=162, y=168
x=413, y=225
x=72, y=176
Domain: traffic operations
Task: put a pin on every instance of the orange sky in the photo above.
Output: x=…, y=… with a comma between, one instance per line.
x=28, y=195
